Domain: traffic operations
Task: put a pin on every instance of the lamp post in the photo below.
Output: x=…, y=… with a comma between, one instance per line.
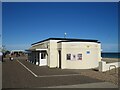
x=65, y=34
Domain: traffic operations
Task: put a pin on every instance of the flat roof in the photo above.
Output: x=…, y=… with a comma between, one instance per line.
x=78, y=41
x=68, y=40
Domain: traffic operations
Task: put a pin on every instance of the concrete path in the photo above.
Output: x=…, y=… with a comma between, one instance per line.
x=88, y=85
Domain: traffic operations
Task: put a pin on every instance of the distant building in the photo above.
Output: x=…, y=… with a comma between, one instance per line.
x=17, y=52
x=66, y=53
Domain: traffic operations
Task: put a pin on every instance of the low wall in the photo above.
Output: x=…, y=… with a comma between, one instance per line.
x=103, y=66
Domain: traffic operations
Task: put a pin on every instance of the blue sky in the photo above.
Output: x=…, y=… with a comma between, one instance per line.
x=27, y=23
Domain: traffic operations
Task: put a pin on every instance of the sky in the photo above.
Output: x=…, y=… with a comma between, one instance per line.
x=26, y=23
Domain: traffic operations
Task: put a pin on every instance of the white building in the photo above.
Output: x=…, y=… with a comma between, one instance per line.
x=66, y=53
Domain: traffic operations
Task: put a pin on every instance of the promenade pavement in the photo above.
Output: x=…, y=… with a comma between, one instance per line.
x=0, y=75
x=20, y=74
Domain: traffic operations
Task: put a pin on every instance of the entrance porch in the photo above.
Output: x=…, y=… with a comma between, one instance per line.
x=38, y=57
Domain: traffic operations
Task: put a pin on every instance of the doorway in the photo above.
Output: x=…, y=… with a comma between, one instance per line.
x=43, y=59
x=59, y=52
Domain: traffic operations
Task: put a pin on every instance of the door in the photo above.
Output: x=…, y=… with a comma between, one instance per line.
x=59, y=52
x=37, y=58
x=43, y=60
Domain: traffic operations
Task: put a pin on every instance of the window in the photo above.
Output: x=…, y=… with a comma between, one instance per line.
x=79, y=57
x=68, y=56
x=43, y=55
x=74, y=56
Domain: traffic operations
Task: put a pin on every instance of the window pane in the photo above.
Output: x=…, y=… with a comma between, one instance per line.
x=43, y=55
x=68, y=56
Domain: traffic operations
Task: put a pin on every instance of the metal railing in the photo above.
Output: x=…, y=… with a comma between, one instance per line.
x=114, y=67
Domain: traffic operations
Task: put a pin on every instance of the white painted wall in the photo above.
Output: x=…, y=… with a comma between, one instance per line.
x=103, y=66
x=53, y=54
x=88, y=60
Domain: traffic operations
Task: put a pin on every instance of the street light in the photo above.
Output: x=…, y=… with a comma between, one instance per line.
x=65, y=34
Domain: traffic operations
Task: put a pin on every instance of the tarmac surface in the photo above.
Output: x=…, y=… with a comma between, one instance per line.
x=0, y=75
x=88, y=85
x=15, y=75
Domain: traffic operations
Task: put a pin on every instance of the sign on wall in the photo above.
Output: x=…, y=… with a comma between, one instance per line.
x=87, y=52
x=73, y=57
x=79, y=57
